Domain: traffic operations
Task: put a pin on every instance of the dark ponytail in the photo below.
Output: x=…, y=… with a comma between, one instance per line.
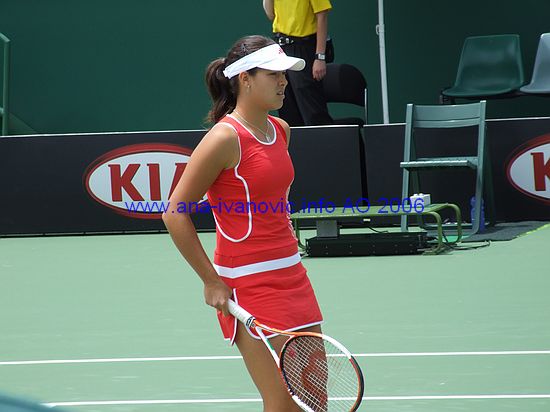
x=224, y=98
x=224, y=91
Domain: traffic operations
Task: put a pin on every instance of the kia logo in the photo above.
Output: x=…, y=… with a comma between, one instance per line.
x=137, y=180
x=529, y=168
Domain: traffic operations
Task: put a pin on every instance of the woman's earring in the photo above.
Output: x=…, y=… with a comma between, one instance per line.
x=248, y=88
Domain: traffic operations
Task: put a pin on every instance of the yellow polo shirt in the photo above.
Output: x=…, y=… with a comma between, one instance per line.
x=297, y=17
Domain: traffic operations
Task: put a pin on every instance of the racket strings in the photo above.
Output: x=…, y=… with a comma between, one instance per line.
x=319, y=374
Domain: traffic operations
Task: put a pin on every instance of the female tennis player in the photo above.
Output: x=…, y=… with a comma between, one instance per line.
x=244, y=160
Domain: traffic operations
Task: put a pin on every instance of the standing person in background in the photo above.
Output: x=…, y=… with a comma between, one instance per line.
x=300, y=27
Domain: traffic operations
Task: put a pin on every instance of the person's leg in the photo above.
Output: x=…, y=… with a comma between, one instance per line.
x=264, y=371
x=310, y=98
x=308, y=92
x=290, y=111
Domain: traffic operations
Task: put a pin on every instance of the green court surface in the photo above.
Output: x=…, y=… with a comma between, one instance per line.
x=118, y=324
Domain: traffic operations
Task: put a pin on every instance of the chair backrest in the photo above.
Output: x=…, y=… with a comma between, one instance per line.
x=446, y=116
x=491, y=63
x=540, y=81
x=344, y=83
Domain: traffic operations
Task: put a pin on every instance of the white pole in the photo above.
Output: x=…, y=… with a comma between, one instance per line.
x=380, y=30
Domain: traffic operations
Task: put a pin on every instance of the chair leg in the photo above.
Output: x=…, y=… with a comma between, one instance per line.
x=415, y=177
x=405, y=195
x=476, y=213
x=366, y=107
x=490, y=206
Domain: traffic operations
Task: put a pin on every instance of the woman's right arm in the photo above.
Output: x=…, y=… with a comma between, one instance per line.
x=218, y=150
x=269, y=9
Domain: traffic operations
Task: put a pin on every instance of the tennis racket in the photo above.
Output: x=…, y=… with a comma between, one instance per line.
x=320, y=374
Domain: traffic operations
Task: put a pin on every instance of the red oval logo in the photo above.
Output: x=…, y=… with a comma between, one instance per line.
x=529, y=168
x=137, y=180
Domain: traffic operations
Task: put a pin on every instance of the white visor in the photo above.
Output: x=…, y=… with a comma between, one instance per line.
x=271, y=57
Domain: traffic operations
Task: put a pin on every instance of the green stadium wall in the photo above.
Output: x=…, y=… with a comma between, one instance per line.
x=129, y=65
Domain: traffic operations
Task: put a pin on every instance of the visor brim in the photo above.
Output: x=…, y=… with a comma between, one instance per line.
x=283, y=62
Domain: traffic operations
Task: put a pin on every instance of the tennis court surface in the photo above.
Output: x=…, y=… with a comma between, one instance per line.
x=117, y=324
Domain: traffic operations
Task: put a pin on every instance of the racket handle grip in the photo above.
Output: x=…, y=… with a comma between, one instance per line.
x=240, y=313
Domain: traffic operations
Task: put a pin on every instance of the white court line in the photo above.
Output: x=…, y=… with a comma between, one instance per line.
x=247, y=400
x=113, y=360
x=198, y=358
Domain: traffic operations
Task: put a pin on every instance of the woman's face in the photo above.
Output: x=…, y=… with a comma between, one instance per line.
x=267, y=88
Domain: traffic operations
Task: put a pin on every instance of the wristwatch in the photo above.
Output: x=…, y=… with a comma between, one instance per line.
x=320, y=56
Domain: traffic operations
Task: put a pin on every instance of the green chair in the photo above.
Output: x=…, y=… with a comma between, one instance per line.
x=540, y=81
x=444, y=117
x=489, y=67
x=344, y=83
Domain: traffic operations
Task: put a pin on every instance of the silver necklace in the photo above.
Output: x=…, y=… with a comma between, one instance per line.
x=266, y=135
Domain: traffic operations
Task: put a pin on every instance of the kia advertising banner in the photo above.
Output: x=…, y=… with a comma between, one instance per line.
x=129, y=180
x=528, y=169
x=121, y=182
x=93, y=183
x=519, y=151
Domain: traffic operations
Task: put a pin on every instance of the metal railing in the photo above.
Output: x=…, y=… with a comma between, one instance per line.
x=4, y=108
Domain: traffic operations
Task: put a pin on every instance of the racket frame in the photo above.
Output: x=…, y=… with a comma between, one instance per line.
x=250, y=322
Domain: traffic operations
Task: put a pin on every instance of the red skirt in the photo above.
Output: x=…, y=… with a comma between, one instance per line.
x=282, y=298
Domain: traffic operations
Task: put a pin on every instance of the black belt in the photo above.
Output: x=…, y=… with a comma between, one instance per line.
x=283, y=39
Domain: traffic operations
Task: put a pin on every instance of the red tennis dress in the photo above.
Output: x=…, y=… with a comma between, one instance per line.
x=256, y=249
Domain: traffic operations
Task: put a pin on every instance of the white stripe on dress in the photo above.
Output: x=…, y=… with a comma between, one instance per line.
x=246, y=270
x=245, y=185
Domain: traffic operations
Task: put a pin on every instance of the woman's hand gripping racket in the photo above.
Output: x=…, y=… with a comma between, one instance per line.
x=321, y=375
